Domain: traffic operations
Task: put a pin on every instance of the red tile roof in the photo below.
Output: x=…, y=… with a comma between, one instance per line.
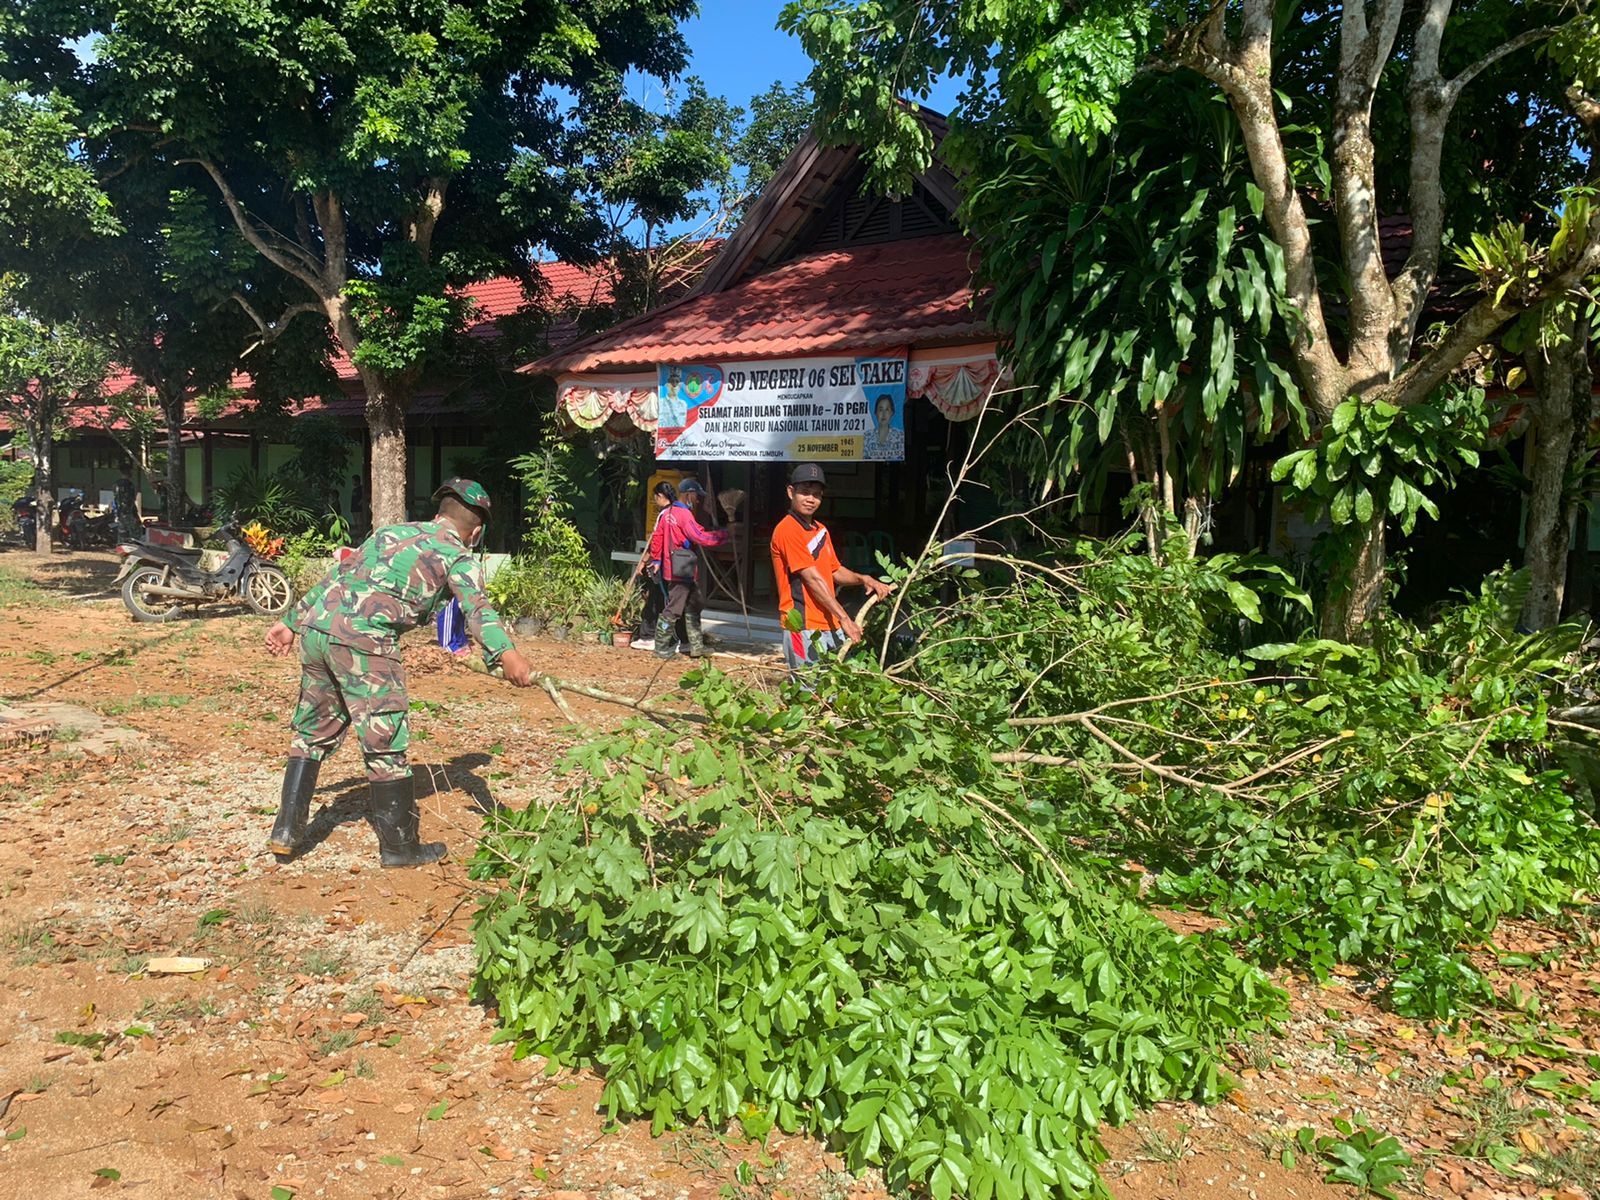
x=566, y=289
x=913, y=292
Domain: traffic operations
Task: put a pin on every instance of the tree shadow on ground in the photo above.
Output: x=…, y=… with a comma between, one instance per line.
x=349, y=806
x=458, y=774
x=349, y=798
x=70, y=574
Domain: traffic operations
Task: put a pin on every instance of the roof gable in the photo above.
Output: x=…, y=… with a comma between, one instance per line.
x=813, y=180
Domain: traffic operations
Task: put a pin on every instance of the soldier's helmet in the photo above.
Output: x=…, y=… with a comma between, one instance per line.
x=468, y=491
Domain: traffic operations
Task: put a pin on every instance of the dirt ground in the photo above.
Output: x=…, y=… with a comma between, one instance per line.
x=330, y=1048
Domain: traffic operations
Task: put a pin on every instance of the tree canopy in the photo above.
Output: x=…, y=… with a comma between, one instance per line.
x=376, y=155
x=1345, y=113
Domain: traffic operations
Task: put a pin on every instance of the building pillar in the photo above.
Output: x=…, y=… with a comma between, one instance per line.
x=205, y=467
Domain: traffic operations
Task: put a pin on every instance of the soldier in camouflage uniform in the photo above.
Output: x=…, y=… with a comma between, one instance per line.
x=125, y=503
x=349, y=626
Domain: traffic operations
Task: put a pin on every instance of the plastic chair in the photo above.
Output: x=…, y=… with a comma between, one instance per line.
x=856, y=553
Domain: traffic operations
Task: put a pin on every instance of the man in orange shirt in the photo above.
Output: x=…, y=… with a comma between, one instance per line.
x=807, y=571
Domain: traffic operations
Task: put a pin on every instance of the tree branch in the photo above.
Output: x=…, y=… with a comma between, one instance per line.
x=1246, y=79
x=279, y=250
x=427, y=213
x=1431, y=99
x=272, y=330
x=1363, y=51
x=1511, y=46
x=1480, y=322
x=330, y=215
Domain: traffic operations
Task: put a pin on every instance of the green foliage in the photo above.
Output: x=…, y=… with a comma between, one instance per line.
x=1334, y=804
x=305, y=556
x=277, y=502
x=1064, y=67
x=45, y=367
x=58, y=195
x=1138, y=283
x=856, y=926
x=1359, y=1156
x=405, y=314
x=16, y=480
x=554, y=572
x=900, y=918
x=1378, y=460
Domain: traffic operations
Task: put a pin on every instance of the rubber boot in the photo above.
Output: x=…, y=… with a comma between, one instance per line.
x=666, y=640
x=395, y=817
x=697, y=635
x=299, y=782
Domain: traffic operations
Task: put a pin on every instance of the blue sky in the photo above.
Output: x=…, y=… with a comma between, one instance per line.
x=739, y=51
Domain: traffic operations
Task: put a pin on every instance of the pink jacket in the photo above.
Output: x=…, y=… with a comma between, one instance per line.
x=676, y=529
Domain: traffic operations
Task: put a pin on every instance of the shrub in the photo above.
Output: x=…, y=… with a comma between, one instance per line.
x=553, y=577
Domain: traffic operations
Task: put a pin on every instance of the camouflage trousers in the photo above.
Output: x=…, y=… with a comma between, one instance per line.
x=339, y=686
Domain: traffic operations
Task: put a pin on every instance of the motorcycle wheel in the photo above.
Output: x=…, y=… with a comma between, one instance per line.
x=142, y=607
x=268, y=592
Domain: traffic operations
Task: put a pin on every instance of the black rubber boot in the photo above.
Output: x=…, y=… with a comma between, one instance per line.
x=666, y=640
x=697, y=635
x=395, y=817
x=299, y=782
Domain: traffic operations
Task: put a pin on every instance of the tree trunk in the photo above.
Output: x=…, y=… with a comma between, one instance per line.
x=173, y=409
x=1347, y=611
x=44, y=448
x=386, y=422
x=1580, y=578
x=1559, y=442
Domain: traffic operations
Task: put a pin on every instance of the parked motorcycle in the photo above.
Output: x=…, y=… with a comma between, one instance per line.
x=26, y=510
x=157, y=581
x=79, y=531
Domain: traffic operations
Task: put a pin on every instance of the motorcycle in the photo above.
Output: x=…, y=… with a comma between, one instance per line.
x=26, y=511
x=79, y=531
x=157, y=581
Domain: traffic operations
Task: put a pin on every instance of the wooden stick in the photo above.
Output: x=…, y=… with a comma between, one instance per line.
x=554, y=686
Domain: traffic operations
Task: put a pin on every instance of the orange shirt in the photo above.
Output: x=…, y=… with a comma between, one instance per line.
x=795, y=547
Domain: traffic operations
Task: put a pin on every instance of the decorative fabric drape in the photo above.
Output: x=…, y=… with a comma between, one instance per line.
x=956, y=389
x=591, y=407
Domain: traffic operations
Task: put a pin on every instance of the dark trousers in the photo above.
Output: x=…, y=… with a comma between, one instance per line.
x=655, y=603
x=684, y=596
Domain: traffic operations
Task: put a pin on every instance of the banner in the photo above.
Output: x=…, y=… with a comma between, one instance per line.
x=783, y=410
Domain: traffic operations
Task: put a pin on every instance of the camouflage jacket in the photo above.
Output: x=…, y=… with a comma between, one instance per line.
x=396, y=581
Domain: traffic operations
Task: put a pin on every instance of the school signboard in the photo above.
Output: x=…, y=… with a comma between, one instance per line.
x=843, y=409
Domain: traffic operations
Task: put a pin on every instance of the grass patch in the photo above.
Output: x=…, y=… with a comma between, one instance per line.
x=30, y=942
x=115, y=708
x=369, y=1003
x=324, y=962
x=336, y=1042
x=260, y=916
x=17, y=590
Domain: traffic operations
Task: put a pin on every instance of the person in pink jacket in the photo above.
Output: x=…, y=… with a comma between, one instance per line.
x=674, y=565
